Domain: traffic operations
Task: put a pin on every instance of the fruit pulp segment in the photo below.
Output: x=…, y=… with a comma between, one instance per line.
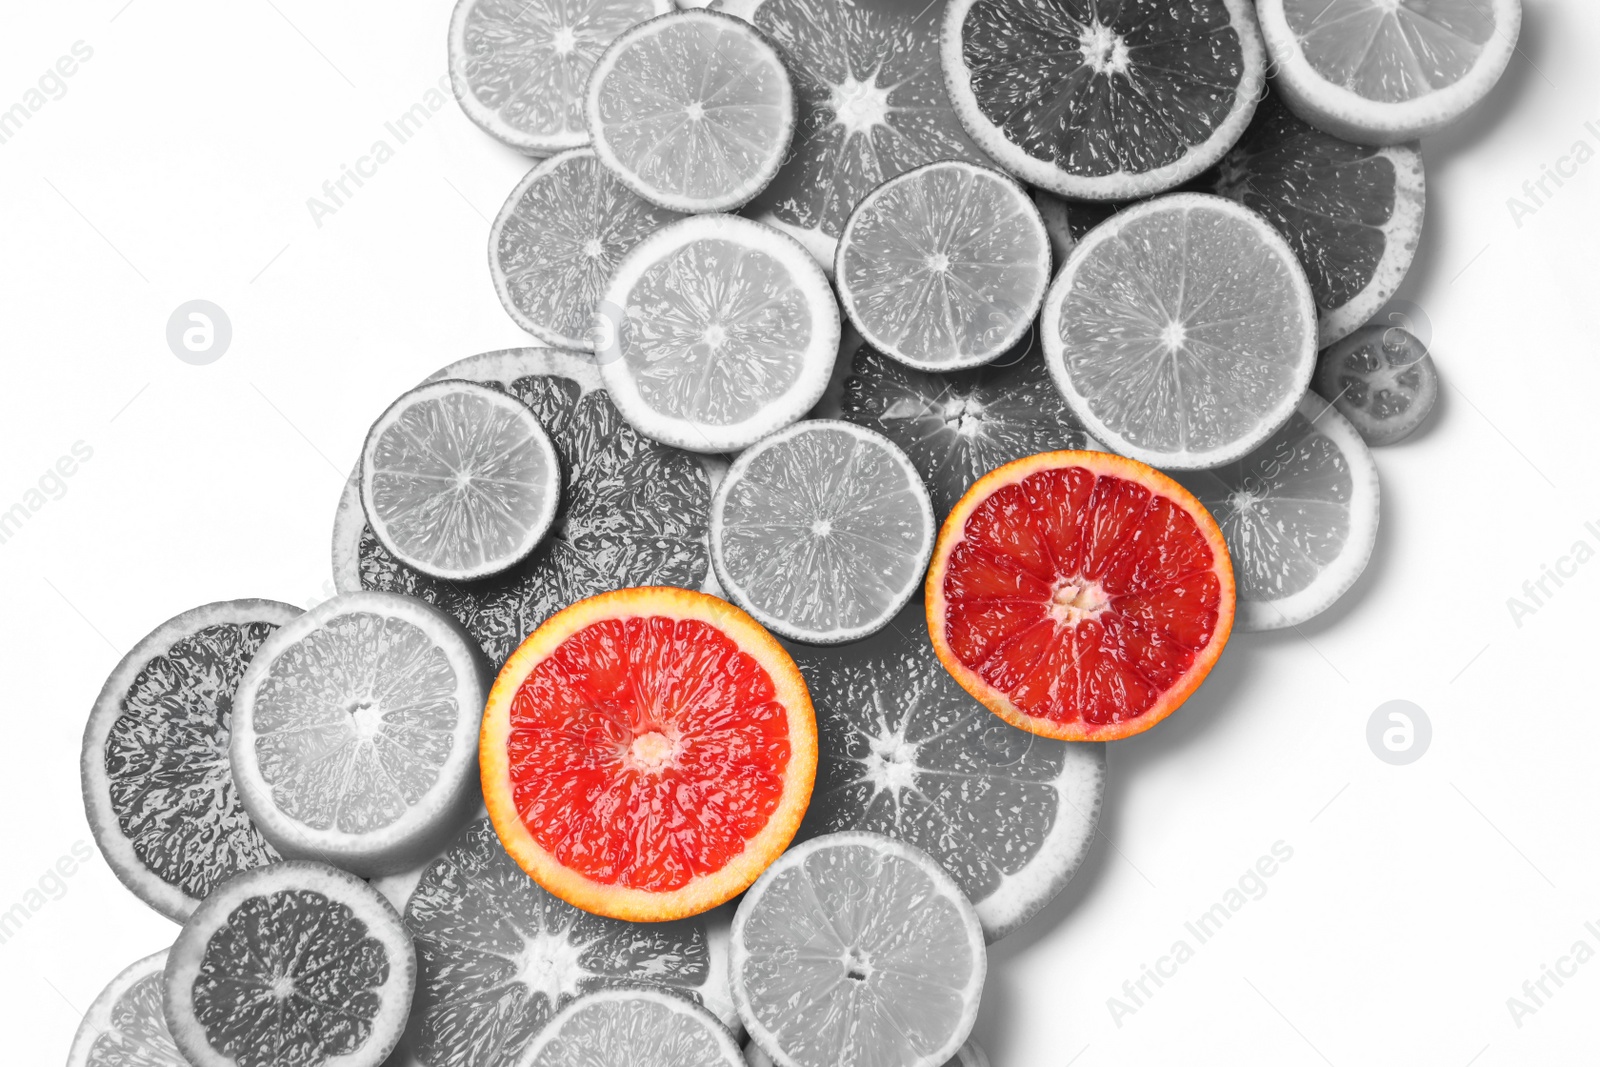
x=1391, y=50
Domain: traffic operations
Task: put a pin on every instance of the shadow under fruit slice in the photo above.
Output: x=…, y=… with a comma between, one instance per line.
x=125, y=1027
x=1080, y=595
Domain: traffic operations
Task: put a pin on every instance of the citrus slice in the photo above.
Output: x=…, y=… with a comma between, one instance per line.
x=355, y=730
x=519, y=67
x=1387, y=71
x=647, y=752
x=1080, y=595
x=633, y=512
x=944, y=266
x=1299, y=514
x=725, y=331
x=958, y=426
x=822, y=531
x=856, y=950
x=633, y=1028
x=557, y=239
x=459, y=480
x=1352, y=213
x=969, y=1055
x=1382, y=379
x=157, y=786
x=908, y=754
x=871, y=105
x=125, y=1027
x=291, y=963
x=693, y=111
x=1107, y=101
x=1182, y=331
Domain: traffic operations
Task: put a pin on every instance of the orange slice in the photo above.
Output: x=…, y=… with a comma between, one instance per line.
x=1079, y=595
x=647, y=753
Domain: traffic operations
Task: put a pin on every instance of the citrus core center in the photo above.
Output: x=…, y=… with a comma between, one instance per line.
x=1077, y=599
x=651, y=750
x=563, y=40
x=858, y=106
x=1104, y=50
x=366, y=718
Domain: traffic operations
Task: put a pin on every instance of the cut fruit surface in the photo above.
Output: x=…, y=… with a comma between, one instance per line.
x=693, y=111
x=944, y=266
x=1382, y=379
x=633, y=1028
x=646, y=753
x=125, y=1027
x=1080, y=595
x=969, y=1055
x=1182, y=331
x=1103, y=101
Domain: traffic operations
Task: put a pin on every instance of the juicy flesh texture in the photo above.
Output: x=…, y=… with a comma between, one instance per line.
x=1391, y=50
x=138, y=1035
x=637, y=1031
x=1081, y=597
x=645, y=752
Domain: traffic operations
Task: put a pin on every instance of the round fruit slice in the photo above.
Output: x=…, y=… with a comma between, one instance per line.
x=157, y=786
x=822, y=531
x=633, y=512
x=1300, y=515
x=633, y=1028
x=855, y=950
x=1387, y=71
x=944, y=267
x=1382, y=379
x=124, y=1027
x=725, y=330
x=292, y=963
x=459, y=480
x=1182, y=331
x=519, y=67
x=969, y=1055
x=646, y=753
x=908, y=754
x=1080, y=595
x=355, y=730
x=558, y=238
x=1107, y=101
x=693, y=111
x=1352, y=213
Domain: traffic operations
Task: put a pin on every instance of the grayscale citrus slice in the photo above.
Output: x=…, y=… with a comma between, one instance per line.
x=943, y=267
x=907, y=753
x=1299, y=514
x=854, y=949
x=1103, y=101
x=125, y=1027
x=633, y=512
x=1182, y=331
x=725, y=330
x=519, y=67
x=1382, y=379
x=355, y=732
x=557, y=239
x=822, y=531
x=1387, y=71
x=294, y=964
x=157, y=786
x=1352, y=213
x=969, y=1055
x=693, y=111
x=633, y=1028
x=459, y=480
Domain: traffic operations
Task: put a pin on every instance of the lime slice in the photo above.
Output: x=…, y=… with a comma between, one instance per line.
x=1382, y=379
x=294, y=963
x=1300, y=515
x=969, y=1055
x=693, y=111
x=725, y=330
x=157, y=786
x=908, y=754
x=944, y=266
x=854, y=950
x=633, y=1028
x=822, y=531
x=125, y=1027
x=1103, y=101
x=1182, y=331
x=557, y=239
x=459, y=480
x=1387, y=71
x=519, y=67
x=355, y=732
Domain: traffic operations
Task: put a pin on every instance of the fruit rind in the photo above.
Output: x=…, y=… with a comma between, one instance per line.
x=551, y=1030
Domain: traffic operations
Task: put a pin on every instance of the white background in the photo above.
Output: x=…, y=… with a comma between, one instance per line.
x=177, y=165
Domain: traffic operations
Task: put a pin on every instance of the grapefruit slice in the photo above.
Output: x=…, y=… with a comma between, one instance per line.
x=1080, y=595
x=646, y=753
